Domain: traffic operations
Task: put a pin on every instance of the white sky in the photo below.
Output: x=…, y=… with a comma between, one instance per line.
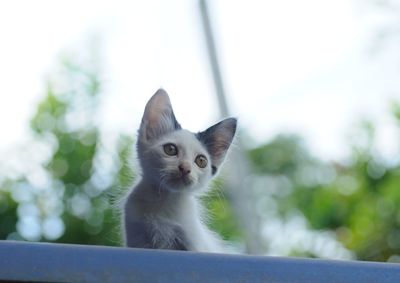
x=289, y=66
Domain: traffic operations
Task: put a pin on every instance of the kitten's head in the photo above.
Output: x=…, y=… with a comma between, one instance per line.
x=175, y=159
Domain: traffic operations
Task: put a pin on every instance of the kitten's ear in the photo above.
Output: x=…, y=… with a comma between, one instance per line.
x=158, y=118
x=217, y=140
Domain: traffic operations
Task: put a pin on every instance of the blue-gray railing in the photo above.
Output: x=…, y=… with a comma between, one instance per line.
x=40, y=262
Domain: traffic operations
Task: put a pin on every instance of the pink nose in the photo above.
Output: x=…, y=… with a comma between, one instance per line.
x=184, y=168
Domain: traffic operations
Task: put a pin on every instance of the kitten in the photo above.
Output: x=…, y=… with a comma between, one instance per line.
x=162, y=211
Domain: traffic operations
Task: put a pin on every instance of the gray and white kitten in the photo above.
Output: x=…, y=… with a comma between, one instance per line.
x=163, y=211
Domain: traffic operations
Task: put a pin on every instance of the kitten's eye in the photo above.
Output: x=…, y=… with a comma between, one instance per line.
x=170, y=149
x=201, y=161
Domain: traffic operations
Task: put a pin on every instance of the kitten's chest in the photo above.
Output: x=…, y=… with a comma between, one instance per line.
x=199, y=237
x=194, y=231
x=186, y=213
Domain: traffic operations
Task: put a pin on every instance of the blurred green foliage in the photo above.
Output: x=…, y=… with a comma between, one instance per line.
x=87, y=193
x=8, y=211
x=359, y=201
x=76, y=199
x=222, y=217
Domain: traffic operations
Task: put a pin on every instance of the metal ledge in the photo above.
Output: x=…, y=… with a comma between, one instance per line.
x=41, y=262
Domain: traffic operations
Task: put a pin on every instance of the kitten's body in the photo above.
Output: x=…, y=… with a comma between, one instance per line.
x=162, y=211
x=174, y=222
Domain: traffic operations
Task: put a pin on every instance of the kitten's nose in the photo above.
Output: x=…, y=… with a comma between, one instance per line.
x=184, y=168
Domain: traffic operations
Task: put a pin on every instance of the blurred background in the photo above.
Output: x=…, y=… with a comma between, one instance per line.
x=315, y=85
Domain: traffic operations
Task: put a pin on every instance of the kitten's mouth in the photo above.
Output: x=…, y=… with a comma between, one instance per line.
x=182, y=179
x=187, y=180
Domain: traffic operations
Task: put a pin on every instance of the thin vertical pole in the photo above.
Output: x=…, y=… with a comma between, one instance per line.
x=241, y=196
x=212, y=53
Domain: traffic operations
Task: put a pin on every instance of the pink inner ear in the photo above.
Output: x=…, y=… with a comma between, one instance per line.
x=153, y=118
x=220, y=147
x=158, y=105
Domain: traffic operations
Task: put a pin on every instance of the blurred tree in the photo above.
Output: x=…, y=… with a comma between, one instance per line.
x=359, y=201
x=8, y=210
x=73, y=197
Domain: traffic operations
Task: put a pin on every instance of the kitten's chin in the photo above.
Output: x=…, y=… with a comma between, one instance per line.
x=181, y=184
